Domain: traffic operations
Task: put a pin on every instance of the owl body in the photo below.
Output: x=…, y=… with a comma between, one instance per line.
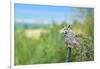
x=71, y=39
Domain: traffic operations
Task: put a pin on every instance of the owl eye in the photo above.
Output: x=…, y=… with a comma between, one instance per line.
x=65, y=31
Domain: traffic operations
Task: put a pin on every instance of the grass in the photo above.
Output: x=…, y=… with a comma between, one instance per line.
x=50, y=47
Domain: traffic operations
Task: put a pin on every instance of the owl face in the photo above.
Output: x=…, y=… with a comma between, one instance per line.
x=66, y=31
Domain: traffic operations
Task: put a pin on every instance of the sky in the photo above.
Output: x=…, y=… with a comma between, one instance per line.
x=32, y=13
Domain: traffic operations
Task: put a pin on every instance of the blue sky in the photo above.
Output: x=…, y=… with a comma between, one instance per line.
x=31, y=13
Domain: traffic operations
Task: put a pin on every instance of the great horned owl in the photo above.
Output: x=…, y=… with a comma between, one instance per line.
x=71, y=38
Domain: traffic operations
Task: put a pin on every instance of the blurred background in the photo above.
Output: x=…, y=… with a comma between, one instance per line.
x=39, y=38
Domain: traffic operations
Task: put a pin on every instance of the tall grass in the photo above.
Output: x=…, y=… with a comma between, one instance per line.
x=50, y=47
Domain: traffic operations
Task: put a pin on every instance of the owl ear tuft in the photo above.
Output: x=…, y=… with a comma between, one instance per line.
x=68, y=26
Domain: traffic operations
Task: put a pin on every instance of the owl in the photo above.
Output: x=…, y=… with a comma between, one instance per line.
x=71, y=39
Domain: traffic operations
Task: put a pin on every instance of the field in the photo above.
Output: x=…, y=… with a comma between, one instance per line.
x=37, y=46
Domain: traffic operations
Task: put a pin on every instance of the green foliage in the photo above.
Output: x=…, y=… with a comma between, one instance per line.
x=50, y=47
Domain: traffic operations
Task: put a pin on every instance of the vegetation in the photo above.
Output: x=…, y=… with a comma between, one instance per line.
x=50, y=46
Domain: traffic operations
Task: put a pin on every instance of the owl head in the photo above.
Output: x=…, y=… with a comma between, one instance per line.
x=66, y=29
